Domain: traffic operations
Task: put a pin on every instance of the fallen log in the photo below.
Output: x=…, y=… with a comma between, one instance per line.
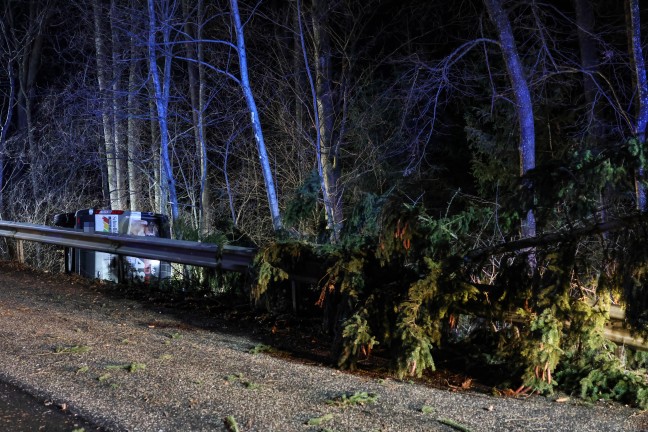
x=614, y=332
x=557, y=237
x=621, y=336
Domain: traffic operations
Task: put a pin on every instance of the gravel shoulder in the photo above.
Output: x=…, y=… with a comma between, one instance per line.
x=130, y=368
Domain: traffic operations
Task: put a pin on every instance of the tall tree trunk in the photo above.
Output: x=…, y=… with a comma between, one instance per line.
x=268, y=177
x=206, y=216
x=298, y=84
x=589, y=64
x=106, y=117
x=4, y=129
x=161, y=87
x=121, y=165
x=133, y=137
x=633, y=24
x=8, y=45
x=323, y=114
x=521, y=96
x=589, y=61
x=329, y=150
x=157, y=180
x=31, y=143
x=30, y=57
x=196, y=75
x=228, y=188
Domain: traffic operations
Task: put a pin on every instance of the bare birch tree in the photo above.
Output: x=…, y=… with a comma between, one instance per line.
x=326, y=150
x=103, y=79
x=264, y=160
x=134, y=123
x=117, y=109
x=161, y=88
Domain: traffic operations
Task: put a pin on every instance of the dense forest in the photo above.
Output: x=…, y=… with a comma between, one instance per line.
x=463, y=172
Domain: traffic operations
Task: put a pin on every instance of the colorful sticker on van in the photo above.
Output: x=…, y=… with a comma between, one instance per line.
x=106, y=223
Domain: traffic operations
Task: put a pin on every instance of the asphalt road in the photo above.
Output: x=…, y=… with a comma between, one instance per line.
x=129, y=367
x=21, y=412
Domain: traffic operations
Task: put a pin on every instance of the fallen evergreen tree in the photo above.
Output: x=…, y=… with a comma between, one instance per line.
x=403, y=287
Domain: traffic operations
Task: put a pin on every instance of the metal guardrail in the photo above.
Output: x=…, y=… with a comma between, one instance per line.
x=232, y=258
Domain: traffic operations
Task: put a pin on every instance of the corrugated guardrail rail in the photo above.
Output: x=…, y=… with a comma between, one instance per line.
x=233, y=258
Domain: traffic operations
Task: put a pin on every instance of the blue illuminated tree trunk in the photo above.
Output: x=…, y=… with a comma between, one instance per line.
x=5, y=127
x=641, y=90
x=521, y=97
x=256, y=122
x=161, y=87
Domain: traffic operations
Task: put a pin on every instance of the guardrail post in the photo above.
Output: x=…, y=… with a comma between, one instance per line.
x=20, y=251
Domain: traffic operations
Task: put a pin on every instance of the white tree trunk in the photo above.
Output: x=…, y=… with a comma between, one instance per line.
x=157, y=183
x=161, y=87
x=256, y=122
x=323, y=114
x=133, y=145
x=106, y=118
x=121, y=165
